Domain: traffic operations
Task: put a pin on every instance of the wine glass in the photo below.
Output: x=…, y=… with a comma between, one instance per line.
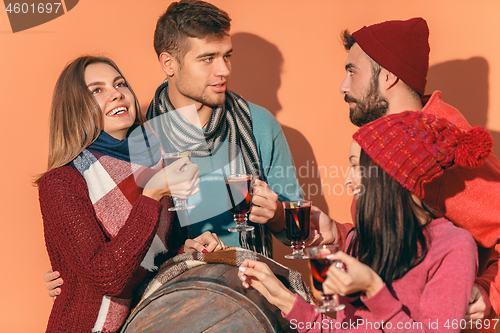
x=239, y=190
x=297, y=214
x=320, y=264
x=169, y=158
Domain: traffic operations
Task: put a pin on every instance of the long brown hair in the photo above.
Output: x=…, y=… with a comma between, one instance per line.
x=75, y=118
x=388, y=235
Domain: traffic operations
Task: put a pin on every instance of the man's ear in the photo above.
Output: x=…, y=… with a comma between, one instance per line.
x=168, y=63
x=387, y=79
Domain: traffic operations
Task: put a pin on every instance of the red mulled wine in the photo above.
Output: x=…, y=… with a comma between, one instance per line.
x=297, y=223
x=238, y=194
x=319, y=268
x=318, y=257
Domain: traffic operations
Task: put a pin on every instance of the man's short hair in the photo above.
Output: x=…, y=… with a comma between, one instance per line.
x=189, y=18
x=347, y=40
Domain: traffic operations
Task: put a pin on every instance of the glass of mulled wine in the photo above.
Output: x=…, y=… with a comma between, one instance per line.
x=239, y=191
x=297, y=215
x=319, y=267
x=169, y=158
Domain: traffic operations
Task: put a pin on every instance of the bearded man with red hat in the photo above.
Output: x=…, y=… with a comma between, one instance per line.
x=386, y=71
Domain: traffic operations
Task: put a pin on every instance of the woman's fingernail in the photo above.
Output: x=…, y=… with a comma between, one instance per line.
x=204, y=250
x=330, y=257
x=243, y=278
x=242, y=269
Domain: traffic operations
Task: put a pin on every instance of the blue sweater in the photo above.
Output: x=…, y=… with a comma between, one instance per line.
x=278, y=170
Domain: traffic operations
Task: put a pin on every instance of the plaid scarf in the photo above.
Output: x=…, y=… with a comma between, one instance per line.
x=231, y=120
x=232, y=256
x=113, y=190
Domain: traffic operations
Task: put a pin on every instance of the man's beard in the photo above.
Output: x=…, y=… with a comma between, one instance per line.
x=369, y=108
x=211, y=102
x=185, y=89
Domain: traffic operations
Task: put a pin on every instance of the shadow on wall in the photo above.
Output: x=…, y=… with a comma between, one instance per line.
x=464, y=84
x=256, y=75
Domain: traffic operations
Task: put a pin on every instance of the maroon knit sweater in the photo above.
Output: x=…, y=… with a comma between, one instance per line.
x=92, y=265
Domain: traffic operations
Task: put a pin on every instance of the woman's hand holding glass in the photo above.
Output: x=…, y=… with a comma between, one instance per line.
x=258, y=275
x=322, y=229
x=179, y=179
x=354, y=278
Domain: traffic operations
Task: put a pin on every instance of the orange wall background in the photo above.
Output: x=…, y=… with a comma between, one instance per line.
x=287, y=57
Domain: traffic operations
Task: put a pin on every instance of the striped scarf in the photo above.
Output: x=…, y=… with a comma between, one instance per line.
x=231, y=120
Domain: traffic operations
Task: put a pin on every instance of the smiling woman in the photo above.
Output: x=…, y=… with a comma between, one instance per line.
x=116, y=100
x=105, y=213
x=400, y=253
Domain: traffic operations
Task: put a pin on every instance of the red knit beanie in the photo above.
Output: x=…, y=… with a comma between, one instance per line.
x=414, y=147
x=401, y=47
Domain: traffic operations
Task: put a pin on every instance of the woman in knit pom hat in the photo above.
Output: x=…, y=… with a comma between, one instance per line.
x=386, y=72
x=406, y=269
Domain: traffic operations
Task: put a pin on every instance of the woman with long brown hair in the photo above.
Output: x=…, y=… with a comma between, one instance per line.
x=105, y=197
x=405, y=268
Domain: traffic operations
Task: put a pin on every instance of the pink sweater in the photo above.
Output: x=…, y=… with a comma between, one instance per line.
x=430, y=297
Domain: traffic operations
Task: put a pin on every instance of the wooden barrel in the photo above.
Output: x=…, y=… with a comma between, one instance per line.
x=207, y=298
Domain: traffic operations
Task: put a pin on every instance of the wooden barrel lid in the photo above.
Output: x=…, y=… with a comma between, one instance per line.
x=207, y=298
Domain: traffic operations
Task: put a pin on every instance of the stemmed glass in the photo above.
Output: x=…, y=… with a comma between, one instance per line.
x=239, y=191
x=297, y=215
x=320, y=263
x=169, y=158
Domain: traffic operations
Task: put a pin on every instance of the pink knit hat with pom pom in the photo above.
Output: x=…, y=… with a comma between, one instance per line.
x=414, y=147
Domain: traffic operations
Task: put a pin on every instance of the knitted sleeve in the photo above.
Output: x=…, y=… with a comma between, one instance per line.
x=342, y=231
x=75, y=240
x=305, y=319
x=446, y=294
x=443, y=302
x=344, y=228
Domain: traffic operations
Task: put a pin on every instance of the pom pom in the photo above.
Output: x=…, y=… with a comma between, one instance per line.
x=473, y=147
